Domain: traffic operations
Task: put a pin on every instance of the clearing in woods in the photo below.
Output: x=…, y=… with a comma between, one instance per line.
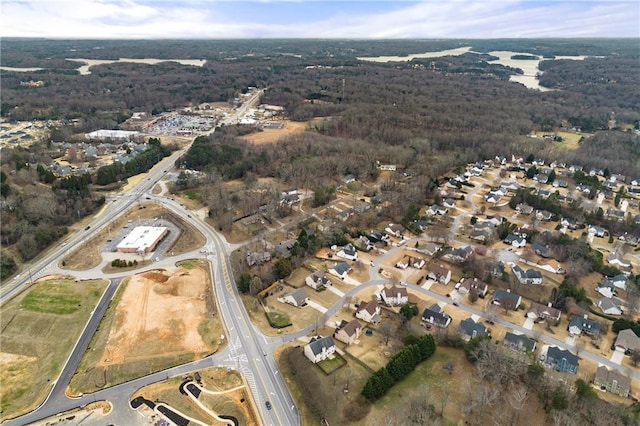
x=157, y=320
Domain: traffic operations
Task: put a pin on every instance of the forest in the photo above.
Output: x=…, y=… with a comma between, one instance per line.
x=426, y=116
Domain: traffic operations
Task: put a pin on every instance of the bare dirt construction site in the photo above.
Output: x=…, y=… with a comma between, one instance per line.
x=274, y=134
x=157, y=319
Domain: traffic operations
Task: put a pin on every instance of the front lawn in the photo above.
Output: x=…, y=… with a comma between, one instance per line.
x=278, y=319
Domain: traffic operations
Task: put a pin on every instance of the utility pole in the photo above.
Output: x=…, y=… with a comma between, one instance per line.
x=343, y=82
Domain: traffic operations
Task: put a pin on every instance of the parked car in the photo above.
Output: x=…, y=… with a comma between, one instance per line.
x=268, y=404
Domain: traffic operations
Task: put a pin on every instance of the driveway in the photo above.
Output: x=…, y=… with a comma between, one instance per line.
x=571, y=340
x=427, y=285
x=528, y=324
x=335, y=291
x=316, y=306
x=617, y=357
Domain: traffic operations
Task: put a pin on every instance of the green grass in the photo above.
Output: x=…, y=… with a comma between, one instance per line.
x=330, y=365
x=188, y=264
x=39, y=329
x=192, y=195
x=278, y=319
x=55, y=297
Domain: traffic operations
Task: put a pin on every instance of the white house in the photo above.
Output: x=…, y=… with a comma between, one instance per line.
x=610, y=306
x=394, y=295
x=340, y=270
x=348, y=252
x=439, y=273
x=617, y=260
x=530, y=276
x=369, y=312
x=320, y=348
x=317, y=280
x=515, y=240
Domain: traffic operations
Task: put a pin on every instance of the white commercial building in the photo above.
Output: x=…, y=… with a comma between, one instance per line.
x=112, y=134
x=142, y=239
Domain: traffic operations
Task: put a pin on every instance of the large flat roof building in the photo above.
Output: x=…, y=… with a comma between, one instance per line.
x=142, y=239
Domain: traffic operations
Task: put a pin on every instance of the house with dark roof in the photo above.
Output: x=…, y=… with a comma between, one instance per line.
x=348, y=252
x=395, y=229
x=320, y=348
x=369, y=312
x=506, y=299
x=519, y=342
x=459, y=255
x=297, y=298
x=317, y=281
x=469, y=329
x=542, y=251
x=562, y=360
x=439, y=273
x=606, y=288
x=544, y=215
x=582, y=324
x=348, y=332
x=524, y=209
x=530, y=276
x=434, y=315
x=340, y=270
x=612, y=381
x=429, y=249
x=596, y=231
x=515, y=240
x=436, y=210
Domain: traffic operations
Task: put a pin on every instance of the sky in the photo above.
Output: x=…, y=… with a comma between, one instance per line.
x=388, y=19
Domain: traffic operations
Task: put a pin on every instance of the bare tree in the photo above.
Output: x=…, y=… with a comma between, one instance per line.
x=385, y=329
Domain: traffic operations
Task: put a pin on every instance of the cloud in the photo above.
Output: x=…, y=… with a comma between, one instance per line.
x=318, y=19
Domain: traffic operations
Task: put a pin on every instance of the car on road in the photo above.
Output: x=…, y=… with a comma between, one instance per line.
x=268, y=404
x=87, y=228
x=456, y=304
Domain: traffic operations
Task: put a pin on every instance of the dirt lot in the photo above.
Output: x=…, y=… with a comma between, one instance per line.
x=39, y=329
x=159, y=319
x=272, y=135
x=88, y=255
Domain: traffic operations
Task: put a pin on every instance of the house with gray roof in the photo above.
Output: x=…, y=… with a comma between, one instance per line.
x=469, y=329
x=340, y=270
x=612, y=381
x=515, y=240
x=545, y=312
x=348, y=252
x=519, y=342
x=506, y=299
x=320, y=348
x=582, y=324
x=627, y=341
x=317, y=280
x=610, y=306
x=530, y=276
x=542, y=251
x=297, y=298
x=562, y=360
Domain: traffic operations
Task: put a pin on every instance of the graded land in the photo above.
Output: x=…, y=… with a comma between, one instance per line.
x=157, y=319
x=38, y=331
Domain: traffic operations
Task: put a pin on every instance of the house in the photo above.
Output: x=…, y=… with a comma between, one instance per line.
x=524, y=209
x=606, y=288
x=544, y=312
x=542, y=251
x=619, y=281
x=615, y=214
x=439, y=273
x=617, y=260
x=562, y=360
x=297, y=298
x=495, y=220
x=496, y=269
x=506, y=299
x=612, y=381
x=348, y=179
x=348, y=252
x=459, y=255
x=519, y=342
x=395, y=229
x=257, y=258
x=340, y=270
x=317, y=280
x=283, y=248
x=632, y=240
x=544, y=193
x=289, y=198
x=627, y=341
x=437, y=210
x=469, y=329
x=493, y=197
x=348, y=332
x=582, y=324
x=361, y=207
x=610, y=306
x=541, y=178
x=569, y=222
x=481, y=288
x=414, y=262
x=376, y=236
x=515, y=241
x=481, y=233
x=544, y=215
x=434, y=315
x=510, y=186
x=559, y=183
x=596, y=231
x=530, y=276
x=551, y=265
x=575, y=168
x=363, y=243
x=369, y=312
x=394, y=295
x=449, y=203
x=429, y=249
x=320, y=348
x=421, y=224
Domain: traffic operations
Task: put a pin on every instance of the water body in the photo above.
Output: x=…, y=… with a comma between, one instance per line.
x=528, y=66
x=88, y=63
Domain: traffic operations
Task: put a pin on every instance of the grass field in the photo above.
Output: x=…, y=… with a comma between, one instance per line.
x=330, y=365
x=38, y=330
x=278, y=319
